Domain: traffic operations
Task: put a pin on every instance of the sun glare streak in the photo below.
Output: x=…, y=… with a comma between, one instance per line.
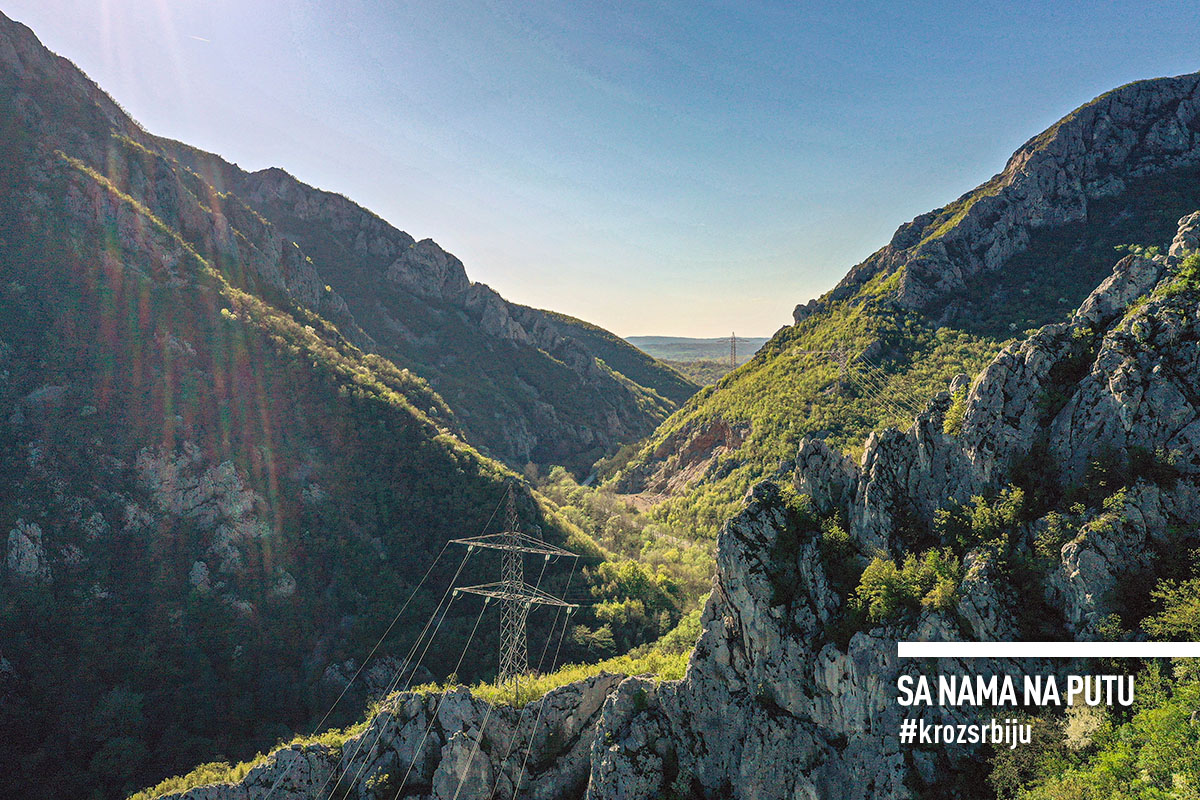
x=172, y=44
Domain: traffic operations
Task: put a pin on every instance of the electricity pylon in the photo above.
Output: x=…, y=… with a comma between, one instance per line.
x=516, y=596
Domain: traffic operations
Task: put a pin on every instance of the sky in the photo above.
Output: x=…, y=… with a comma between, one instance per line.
x=675, y=168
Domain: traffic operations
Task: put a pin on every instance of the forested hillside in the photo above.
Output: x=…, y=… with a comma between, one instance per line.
x=219, y=488
x=943, y=297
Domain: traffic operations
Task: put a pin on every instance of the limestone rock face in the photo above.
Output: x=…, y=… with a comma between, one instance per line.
x=776, y=703
x=1143, y=129
x=182, y=484
x=27, y=560
x=1187, y=240
x=805, y=310
x=1132, y=278
x=426, y=269
x=444, y=747
x=826, y=476
x=772, y=707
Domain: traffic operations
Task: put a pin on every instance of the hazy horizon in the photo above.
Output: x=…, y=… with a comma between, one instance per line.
x=692, y=169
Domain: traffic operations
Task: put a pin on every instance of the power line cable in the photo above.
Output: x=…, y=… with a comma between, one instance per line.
x=379, y=728
x=396, y=678
x=363, y=665
x=441, y=699
x=916, y=405
x=491, y=706
x=541, y=707
x=541, y=659
x=887, y=406
x=379, y=642
x=882, y=396
x=903, y=401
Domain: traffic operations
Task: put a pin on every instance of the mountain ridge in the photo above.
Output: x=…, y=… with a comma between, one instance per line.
x=1047, y=182
x=215, y=490
x=439, y=280
x=939, y=300
x=409, y=300
x=1014, y=517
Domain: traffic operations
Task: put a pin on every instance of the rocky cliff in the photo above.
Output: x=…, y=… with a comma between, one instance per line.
x=525, y=384
x=790, y=690
x=204, y=452
x=941, y=299
x=1100, y=150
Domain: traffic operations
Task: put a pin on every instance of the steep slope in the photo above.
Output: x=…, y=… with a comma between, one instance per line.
x=939, y=300
x=526, y=385
x=215, y=498
x=1083, y=439
x=1062, y=176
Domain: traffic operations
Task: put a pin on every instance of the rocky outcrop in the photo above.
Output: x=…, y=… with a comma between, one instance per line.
x=1143, y=129
x=182, y=484
x=427, y=270
x=776, y=702
x=442, y=747
x=805, y=310
x=772, y=706
x=27, y=559
x=1187, y=240
x=692, y=453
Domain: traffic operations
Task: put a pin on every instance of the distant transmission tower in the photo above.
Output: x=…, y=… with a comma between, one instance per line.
x=732, y=352
x=515, y=595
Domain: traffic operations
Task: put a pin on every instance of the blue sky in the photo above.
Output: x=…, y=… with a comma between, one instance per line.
x=673, y=168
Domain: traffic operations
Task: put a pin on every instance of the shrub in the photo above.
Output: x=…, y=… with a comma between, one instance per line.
x=838, y=553
x=989, y=523
x=952, y=425
x=1187, y=276
x=1058, y=532
x=887, y=589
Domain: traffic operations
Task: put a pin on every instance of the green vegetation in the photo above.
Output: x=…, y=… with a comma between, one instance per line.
x=887, y=589
x=990, y=524
x=203, y=775
x=1186, y=278
x=838, y=555
x=1059, y=529
x=1149, y=753
x=1152, y=756
x=953, y=423
x=663, y=666
x=664, y=577
x=704, y=372
x=785, y=393
x=665, y=660
x=164, y=340
x=622, y=528
x=224, y=772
